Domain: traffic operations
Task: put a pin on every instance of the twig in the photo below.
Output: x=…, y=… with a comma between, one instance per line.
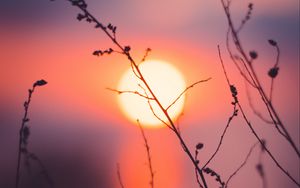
x=24, y=130
x=273, y=71
x=254, y=79
x=217, y=176
x=152, y=110
x=254, y=132
x=234, y=113
x=81, y=4
x=198, y=147
x=185, y=90
x=148, y=155
x=242, y=165
x=132, y=92
x=148, y=50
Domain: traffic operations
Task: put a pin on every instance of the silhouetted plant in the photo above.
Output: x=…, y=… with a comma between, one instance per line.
x=245, y=65
x=110, y=32
x=24, y=134
x=261, y=141
x=242, y=60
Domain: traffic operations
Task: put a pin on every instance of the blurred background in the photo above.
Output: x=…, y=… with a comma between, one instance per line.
x=77, y=127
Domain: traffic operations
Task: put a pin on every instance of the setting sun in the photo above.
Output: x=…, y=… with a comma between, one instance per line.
x=167, y=83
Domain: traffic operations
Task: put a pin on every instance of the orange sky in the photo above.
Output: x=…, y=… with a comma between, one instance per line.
x=75, y=110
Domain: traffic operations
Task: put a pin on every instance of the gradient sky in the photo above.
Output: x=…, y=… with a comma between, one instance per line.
x=77, y=127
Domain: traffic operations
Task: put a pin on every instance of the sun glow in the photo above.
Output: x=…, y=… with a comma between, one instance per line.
x=166, y=82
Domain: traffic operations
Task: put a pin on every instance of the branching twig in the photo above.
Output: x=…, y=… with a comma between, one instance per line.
x=148, y=155
x=152, y=110
x=234, y=113
x=248, y=63
x=253, y=131
x=132, y=92
x=186, y=89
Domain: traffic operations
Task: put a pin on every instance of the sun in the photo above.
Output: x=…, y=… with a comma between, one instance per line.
x=166, y=82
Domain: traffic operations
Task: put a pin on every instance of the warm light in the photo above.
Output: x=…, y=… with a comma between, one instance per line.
x=166, y=82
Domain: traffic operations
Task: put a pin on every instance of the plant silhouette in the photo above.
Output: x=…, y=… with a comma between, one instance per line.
x=24, y=134
x=242, y=60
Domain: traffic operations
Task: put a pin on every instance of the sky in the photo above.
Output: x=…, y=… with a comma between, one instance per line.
x=77, y=127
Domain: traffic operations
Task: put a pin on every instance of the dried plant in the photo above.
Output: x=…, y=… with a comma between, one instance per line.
x=244, y=63
x=233, y=90
x=110, y=30
x=24, y=134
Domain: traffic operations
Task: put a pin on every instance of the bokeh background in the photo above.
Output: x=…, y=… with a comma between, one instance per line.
x=77, y=127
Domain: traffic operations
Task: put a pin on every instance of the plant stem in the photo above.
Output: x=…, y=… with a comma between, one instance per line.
x=24, y=120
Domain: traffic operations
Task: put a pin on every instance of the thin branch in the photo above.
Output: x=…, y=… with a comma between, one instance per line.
x=272, y=111
x=148, y=155
x=275, y=67
x=234, y=113
x=254, y=132
x=196, y=172
x=133, y=68
x=186, y=89
x=242, y=165
x=119, y=176
x=267, y=150
x=132, y=92
x=222, y=136
x=246, y=18
x=24, y=130
x=234, y=59
x=148, y=50
x=152, y=110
